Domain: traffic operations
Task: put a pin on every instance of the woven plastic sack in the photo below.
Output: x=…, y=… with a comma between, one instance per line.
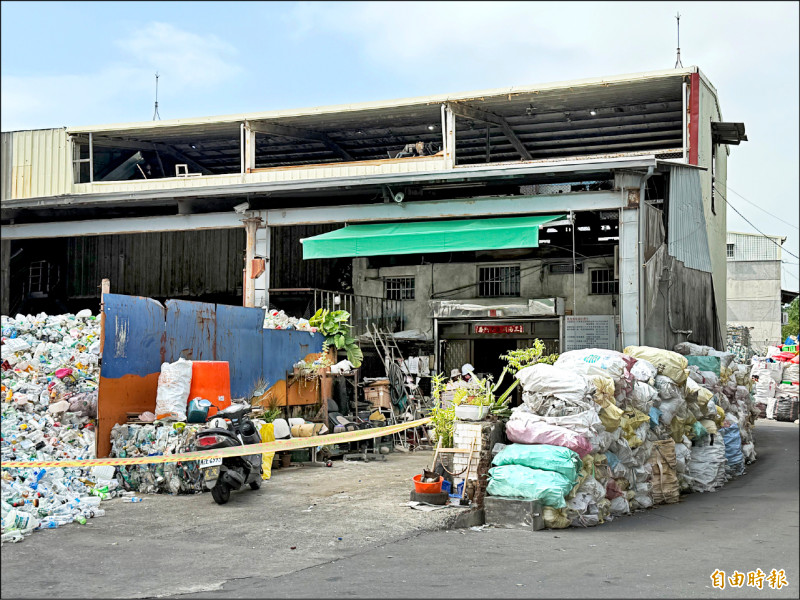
x=516, y=481
x=173, y=390
x=733, y=450
x=610, y=417
x=555, y=518
x=688, y=348
x=671, y=364
x=537, y=432
x=705, y=470
x=643, y=396
x=791, y=372
x=547, y=381
x=644, y=371
x=705, y=363
x=663, y=462
x=593, y=362
x=541, y=456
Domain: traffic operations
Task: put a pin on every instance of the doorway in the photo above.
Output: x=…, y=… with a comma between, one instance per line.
x=486, y=357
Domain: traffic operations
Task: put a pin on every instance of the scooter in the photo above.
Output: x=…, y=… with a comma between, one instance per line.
x=231, y=427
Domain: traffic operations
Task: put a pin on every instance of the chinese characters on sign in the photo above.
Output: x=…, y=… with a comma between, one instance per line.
x=776, y=579
x=590, y=331
x=499, y=329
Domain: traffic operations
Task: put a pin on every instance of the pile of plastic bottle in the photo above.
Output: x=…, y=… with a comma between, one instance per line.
x=49, y=403
x=129, y=440
x=277, y=319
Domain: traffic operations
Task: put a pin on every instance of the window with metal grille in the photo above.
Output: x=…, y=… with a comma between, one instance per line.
x=603, y=282
x=729, y=250
x=399, y=288
x=498, y=281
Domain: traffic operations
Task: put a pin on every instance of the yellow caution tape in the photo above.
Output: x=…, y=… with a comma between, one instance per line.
x=276, y=446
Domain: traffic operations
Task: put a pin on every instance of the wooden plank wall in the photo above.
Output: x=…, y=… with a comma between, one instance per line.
x=160, y=265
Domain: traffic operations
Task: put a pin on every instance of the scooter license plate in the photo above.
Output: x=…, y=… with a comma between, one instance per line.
x=207, y=463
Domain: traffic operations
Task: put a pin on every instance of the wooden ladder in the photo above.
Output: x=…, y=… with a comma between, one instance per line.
x=439, y=450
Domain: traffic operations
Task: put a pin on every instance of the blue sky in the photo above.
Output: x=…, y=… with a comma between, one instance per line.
x=82, y=63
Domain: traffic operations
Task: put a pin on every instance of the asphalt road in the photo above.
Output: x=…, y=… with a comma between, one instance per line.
x=667, y=552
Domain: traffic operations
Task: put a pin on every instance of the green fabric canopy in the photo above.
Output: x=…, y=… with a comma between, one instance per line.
x=427, y=236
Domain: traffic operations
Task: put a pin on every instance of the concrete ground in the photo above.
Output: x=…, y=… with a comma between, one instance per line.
x=301, y=517
x=188, y=546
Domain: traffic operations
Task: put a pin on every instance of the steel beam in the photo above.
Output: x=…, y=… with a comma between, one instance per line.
x=299, y=134
x=443, y=209
x=460, y=174
x=117, y=226
x=470, y=112
x=436, y=209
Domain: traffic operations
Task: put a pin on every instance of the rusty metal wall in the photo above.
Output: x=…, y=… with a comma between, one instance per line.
x=35, y=163
x=160, y=265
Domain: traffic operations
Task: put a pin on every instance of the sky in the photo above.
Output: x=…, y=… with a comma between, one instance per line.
x=76, y=63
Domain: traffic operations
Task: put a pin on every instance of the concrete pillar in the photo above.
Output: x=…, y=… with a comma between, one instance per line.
x=629, y=279
x=251, y=227
x=5, y=276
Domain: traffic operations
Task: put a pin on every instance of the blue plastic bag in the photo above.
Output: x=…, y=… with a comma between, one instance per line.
x=515, y=481
x=541, y=456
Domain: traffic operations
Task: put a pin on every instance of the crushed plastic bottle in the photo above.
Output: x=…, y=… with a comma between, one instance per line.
x=277, y=319
x=48, y=389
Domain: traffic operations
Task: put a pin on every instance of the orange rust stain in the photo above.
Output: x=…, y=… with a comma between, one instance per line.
x=116, y=398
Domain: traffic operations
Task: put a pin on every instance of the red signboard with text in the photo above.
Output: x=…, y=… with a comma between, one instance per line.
x=499, y=329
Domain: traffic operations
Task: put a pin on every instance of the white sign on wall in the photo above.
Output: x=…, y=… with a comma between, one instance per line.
x=590, y=331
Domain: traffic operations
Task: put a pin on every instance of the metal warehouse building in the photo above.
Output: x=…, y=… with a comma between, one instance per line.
x=576, y=212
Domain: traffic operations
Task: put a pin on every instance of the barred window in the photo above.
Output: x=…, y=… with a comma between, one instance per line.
x=498, y=281
x=603, y=282
x=729, y=250
x=399, y=288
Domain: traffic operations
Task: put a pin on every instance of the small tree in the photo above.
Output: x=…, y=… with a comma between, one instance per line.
x=794, y=320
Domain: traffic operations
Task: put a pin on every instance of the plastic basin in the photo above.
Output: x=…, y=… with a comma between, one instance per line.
x=427, y=488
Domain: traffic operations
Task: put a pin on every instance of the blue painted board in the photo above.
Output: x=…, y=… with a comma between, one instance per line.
x=134, y=336
x=283, y=348
x=191, y=330
x=239, y=341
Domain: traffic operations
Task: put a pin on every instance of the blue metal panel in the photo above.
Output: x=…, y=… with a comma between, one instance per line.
x=283, y=348
x=134, y=336
x=191, y=330
x=688, y=237
x=239, y=341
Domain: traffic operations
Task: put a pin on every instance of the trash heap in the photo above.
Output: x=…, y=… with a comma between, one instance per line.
x=156, y=439
x=49, y=404
x=776, y=386
x=602, y=433
x=277, y=319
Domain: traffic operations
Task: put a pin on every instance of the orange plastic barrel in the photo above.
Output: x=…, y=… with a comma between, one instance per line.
x=211, y=379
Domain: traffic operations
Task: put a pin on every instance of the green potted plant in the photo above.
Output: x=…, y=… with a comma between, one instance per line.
x=336, y=329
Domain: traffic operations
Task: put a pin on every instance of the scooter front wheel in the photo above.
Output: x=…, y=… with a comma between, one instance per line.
x=221, y=493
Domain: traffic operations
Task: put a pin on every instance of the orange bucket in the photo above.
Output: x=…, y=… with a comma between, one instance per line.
x=427, y=488
x=211, y=379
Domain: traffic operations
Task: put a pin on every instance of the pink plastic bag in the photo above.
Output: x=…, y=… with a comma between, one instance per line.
x=535, y=432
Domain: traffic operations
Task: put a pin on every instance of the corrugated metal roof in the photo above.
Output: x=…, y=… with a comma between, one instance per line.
x=688, y=236
x=406, y=104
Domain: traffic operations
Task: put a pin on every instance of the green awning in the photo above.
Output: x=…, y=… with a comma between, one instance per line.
x=427, y=236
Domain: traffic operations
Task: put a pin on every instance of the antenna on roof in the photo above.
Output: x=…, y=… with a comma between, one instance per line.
x=678, y=62
x=155, y=113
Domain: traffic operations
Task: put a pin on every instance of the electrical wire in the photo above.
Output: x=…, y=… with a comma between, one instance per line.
x=759, y=208
x=756, y=228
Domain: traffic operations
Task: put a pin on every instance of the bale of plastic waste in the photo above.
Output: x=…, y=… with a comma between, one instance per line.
x=516, y=481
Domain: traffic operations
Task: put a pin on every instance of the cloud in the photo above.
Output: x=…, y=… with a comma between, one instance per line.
x=188, y=59
x=187, y=62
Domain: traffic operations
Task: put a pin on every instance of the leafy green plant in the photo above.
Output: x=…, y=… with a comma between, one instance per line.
x=518, y=360
x=336, y=329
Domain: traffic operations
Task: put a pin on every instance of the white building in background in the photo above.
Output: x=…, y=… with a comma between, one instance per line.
x=754, y=285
